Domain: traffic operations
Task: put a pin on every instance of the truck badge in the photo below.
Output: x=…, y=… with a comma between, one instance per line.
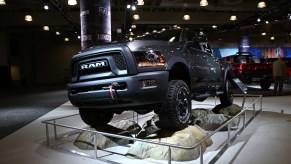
x=93, y=65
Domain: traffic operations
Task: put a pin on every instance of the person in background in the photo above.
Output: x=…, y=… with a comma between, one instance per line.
x=279, y=73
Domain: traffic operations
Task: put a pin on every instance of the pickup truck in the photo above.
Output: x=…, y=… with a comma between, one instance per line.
x=158, y=72
x=249, y=69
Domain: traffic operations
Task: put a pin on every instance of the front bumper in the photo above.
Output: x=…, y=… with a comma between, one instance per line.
x=96, y=94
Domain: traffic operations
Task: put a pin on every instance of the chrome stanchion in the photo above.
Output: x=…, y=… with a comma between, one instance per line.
x=170, y=155
x=55, y=130
x=95, y=147
x=201, y=154
x=47, y=135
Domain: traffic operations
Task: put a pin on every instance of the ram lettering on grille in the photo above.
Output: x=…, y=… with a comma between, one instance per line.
x=94, y=65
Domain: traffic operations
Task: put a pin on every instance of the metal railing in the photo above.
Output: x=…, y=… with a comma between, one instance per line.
x=229, y=140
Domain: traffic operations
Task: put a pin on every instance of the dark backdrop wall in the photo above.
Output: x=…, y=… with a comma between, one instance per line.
x=40, y=58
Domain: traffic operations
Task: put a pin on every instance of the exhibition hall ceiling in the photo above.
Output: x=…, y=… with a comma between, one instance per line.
x=154, y=15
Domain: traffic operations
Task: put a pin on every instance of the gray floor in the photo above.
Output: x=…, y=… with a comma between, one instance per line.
x=21, y=105
x=266, y=140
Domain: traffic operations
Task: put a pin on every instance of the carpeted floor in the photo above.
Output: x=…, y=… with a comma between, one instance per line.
x=21, y=105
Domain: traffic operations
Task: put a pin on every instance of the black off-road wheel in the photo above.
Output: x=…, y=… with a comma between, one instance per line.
x=226, y=98
x=176, y=109
x=265, y=84
x=94, y=117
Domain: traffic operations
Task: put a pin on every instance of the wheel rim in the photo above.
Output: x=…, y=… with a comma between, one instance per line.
x=182, y=104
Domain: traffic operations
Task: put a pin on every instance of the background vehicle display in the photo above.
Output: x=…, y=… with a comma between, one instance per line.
x=159, y=72
x=248, y=68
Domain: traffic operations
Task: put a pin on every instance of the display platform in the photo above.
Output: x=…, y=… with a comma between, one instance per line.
x=258, y=143
x=62, y=136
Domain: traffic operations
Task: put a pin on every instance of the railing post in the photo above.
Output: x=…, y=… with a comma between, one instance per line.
x=95, y=147
x=47, y=135
x=261, y=104
x=201, y=154
x=55, y=130
x=228, y=134
x=244, y=119
x=254, y=107
x=170, y=155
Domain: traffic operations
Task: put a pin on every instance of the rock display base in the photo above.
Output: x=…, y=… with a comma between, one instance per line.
x=187, y=137
x=85, y=140
x=211, y=119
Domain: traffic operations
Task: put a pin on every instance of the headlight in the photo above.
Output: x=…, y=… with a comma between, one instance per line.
x=149, y=59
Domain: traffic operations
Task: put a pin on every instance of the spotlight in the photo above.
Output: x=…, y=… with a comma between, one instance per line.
x=203, y=3
x=28, y=18
x=46, y=28
x=72, y=2
x=46, y=7
x=258, y=20
x=140, y=2
x=186, y=17
x=133, y=8
x=261, y=5
x=2, y=2
x=233, y=18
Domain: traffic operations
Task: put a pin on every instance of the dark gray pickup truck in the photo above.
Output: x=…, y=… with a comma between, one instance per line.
x=159, y=72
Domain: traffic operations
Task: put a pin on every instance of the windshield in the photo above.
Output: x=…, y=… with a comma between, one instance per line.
x=168, y=35
x=247, y=59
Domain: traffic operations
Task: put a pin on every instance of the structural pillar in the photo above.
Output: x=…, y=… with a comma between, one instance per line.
x=95, y=22
x=244, y=44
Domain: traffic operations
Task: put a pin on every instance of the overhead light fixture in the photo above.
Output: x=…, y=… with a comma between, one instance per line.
x=58, y=33
x=133, y=7
x=186, y=17
x=128, y=6
x=67, y=39
x=140, y=2
x=258, y=20
x=267, y=22
x=203, y=3
x=263, y=33
x=46, y=28
x=46, y=7
x=79, y=37
x=214, y=26
x=136, y=17
x=272, y=38
x=233, y=18
x=72, y=2
x=133, y=26
x=261, y=4
x=28, y=18
x=2, y=2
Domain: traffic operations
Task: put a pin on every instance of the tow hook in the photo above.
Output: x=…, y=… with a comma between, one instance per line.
x=114, y=86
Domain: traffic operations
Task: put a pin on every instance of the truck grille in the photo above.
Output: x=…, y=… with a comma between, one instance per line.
x=117, y=57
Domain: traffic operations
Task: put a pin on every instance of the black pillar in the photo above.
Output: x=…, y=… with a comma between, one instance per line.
x=95, y=22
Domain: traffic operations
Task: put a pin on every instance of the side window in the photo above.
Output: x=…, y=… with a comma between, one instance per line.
x=190, y=35
x=254, y=59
